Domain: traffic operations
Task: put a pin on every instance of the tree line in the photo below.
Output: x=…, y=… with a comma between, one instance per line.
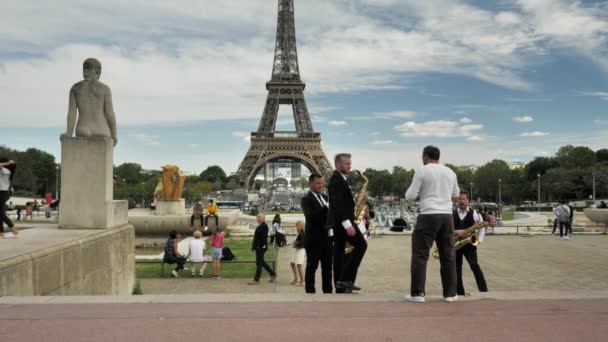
x=568, y=175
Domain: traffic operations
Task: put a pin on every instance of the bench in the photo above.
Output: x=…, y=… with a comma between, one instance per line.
x=163, y=263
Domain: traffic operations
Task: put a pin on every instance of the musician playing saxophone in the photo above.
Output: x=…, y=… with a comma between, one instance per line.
x=465, y=217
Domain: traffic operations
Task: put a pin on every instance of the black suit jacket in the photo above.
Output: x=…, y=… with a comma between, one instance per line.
x=316, y=218
x=341, y=203
x=260, y=237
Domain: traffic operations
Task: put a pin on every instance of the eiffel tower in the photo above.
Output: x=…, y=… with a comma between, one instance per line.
x=284, y=88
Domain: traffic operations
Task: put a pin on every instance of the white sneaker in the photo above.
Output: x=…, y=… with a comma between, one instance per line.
x=415, y=299
x=562, y=238
x=450, y=299
x=567, y=237
x=174, y=273
x=193, y=274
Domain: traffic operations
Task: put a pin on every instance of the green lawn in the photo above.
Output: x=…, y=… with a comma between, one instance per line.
x=507, y=216
x=240, y=248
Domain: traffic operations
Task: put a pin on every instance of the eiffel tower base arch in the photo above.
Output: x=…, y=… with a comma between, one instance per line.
x=263, y=151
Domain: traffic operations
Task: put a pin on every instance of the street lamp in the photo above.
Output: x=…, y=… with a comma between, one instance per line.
x=472, y=198
x=56, y=182
x=538, y=203
x=499, y=193
x=593, y=173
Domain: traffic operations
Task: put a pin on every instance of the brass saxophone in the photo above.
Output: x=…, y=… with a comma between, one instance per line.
x=361, y=208
x=472, y=239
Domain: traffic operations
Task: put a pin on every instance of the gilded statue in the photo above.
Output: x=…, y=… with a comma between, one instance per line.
x=171, y=185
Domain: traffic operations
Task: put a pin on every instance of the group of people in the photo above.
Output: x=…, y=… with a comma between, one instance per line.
x=196, y=252
x=564, y=217
x=331, y=226
x=197, y=213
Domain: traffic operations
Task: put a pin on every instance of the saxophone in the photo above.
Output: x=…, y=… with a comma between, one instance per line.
x=472, y=239
x=361, y=209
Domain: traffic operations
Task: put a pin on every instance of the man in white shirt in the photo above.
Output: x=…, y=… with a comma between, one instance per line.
x=465, y=217
x=562, y=216
x=436, y=187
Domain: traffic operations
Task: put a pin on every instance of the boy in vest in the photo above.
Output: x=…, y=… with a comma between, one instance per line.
x=465, y=217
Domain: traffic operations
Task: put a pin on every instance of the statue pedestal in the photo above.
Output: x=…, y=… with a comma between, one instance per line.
x=171, y=207
x=87, y=187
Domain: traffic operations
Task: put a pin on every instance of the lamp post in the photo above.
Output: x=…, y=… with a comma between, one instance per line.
x=593, y=173
x=57, y=182
x=472, y=198
x=538, y=203
x=499, y=194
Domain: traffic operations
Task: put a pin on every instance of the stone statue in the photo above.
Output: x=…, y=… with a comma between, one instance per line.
x=92, y=100
x=168, y=189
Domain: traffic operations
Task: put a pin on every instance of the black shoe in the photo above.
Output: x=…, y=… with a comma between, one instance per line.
x=355, y=288
x=344, y=285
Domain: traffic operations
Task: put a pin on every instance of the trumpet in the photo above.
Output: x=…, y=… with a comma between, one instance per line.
x=472, y=238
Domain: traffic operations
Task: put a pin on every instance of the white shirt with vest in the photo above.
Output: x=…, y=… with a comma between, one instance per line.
x=462, y=213
x=5, y=179
x=435, y=185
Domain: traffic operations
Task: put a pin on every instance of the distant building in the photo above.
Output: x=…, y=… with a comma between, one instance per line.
x=516, y=165
x=472, y=167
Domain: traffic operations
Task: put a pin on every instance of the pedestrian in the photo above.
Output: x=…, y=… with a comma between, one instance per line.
x=7, y=172
x=259, y=246
x=217, y=245
x=298, y=260
x=436, y=186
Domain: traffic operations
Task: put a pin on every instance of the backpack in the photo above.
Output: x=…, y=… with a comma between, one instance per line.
x=227, y=254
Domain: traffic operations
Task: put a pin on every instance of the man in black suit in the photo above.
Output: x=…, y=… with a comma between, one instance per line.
x=316, y=239
x=341, y=219
x=259, y=245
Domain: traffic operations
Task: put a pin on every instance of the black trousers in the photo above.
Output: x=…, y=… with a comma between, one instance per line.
x=318, y=252
x=345, y=269
x=216, y=220
x=193, y=217
x=562, y=226
x=260, y=262
x=470, y=253
x=4, y=197
x=438, y=228
x=180, y=260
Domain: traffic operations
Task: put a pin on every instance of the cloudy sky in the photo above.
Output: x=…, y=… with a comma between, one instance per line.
x=509, y=79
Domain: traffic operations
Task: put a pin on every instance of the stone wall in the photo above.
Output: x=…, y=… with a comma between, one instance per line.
x=100, y=263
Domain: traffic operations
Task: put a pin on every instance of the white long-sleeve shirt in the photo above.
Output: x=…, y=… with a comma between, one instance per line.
x=435, y=185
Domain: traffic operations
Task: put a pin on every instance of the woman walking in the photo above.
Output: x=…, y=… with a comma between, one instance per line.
x=7, y=172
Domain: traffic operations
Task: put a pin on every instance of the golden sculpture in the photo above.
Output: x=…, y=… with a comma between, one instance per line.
x=171, y=185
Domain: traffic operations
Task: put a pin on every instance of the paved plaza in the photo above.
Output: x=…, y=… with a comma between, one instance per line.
x=541, y=289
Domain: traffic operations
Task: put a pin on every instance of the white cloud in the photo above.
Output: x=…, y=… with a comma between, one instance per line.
x=146, y=139
x=474, y=138
x=336, y=123
x=523, y=119
x=396, y=115
x=465, y=121
x=382, y=142
x=601, y=94
x=164, y=63
x=439, y=128
x=375, y=134
x=246, y=136
x=194, y=145
x=534, y=134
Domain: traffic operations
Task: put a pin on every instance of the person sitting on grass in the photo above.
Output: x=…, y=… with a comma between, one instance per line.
x=197, y=253
x=172, y=254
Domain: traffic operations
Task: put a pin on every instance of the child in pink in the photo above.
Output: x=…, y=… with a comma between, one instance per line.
x=217, y=243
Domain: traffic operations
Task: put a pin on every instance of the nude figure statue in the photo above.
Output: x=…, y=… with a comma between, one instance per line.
x=91, y=103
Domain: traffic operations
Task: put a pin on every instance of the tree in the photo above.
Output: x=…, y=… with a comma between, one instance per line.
x=130, y=172
x=213, y=174
x=539, y=165
x=485, y=183
x=601, y=156
x=575, y=157
x=402, y=179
